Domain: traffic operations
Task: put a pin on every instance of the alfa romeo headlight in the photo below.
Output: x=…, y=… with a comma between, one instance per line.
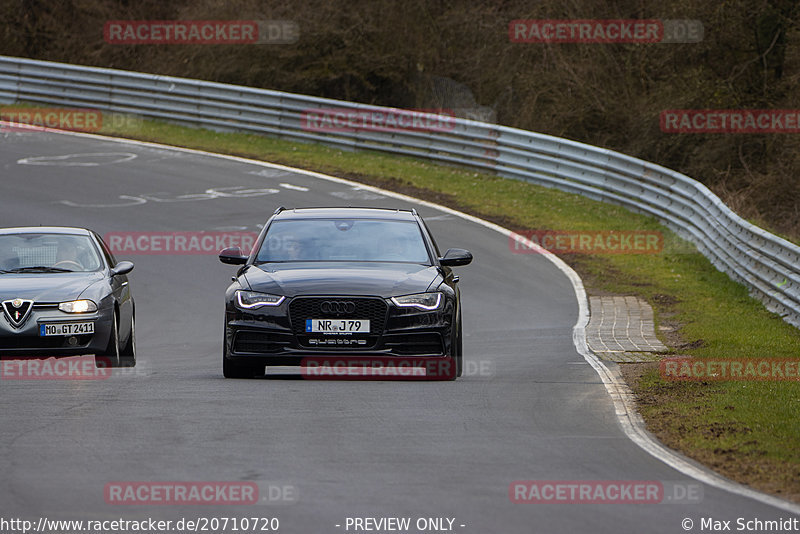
x=253, y=299
x=421, y=301
x=78, y=306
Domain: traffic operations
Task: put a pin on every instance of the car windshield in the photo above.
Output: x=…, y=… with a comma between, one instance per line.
x=20, y=253
x=370, y=240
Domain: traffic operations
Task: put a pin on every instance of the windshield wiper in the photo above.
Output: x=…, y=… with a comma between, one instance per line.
x=39, y=269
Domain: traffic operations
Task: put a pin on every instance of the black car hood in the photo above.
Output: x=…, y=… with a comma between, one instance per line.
x=338, y=278
x=49, y=287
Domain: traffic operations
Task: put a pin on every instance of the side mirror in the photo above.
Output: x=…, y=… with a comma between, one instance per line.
x=455, y=257
x=123, y=267
x=232, y=256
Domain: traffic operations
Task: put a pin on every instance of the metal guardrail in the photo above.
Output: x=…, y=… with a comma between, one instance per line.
x=768, y=265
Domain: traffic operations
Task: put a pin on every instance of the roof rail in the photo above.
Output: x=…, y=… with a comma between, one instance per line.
x=348, y=206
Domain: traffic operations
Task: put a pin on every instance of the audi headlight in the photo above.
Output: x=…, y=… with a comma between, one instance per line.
x=422, y=301
x=78, y=306
x=252, y=299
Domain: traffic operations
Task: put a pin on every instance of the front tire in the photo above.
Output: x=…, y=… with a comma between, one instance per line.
x=127, y=354
x=232, y=369
x=110, y=357
x=459, y=351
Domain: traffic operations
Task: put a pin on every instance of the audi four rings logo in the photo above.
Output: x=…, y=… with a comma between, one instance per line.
x=337, y=307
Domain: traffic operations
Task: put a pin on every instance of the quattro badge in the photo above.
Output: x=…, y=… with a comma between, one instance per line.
x=17, y=310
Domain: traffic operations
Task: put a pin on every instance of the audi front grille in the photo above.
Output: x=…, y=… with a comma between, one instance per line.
x=374, y=309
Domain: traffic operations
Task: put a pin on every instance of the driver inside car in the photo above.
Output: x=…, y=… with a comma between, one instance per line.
x=68, y=257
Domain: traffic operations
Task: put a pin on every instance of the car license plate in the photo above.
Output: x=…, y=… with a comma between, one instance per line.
x=337, y=326
x=66, y=329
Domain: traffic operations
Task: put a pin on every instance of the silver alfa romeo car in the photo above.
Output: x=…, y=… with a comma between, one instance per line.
x=62, y=293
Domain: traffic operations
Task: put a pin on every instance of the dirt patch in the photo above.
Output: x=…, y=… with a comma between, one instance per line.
x=665, y=301
x=744, y=462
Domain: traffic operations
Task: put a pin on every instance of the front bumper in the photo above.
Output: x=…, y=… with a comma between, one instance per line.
x=276, y=336
x=25, y=340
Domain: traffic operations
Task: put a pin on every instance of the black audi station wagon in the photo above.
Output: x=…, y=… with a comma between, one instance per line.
x=347, y=283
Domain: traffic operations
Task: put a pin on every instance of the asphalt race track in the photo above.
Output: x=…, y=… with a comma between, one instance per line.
x=529, y=407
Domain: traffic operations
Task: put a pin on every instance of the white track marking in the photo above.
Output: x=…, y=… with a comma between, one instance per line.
x=134, y=201
x=209, y=194
x=629, y=420
x=68, y=160
x=358, y=194
x=267, y=173
x=295, y=187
